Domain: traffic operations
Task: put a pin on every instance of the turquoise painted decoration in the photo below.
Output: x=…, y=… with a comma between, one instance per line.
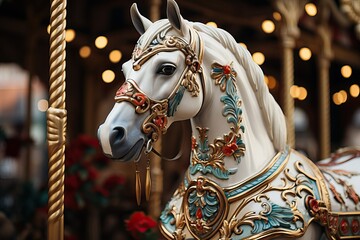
x=275, y=216
x=175, y=101
x=217, y=172
x=166, y=217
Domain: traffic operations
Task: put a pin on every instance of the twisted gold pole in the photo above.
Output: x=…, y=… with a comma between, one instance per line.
x=290, y=13
x=56, y=120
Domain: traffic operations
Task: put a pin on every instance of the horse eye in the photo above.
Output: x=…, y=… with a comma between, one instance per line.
x=166, y=69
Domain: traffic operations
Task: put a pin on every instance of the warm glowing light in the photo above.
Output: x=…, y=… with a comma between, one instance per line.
x=70, y=35
x=294, y=91
x=115, y=56
x=302, y=93
x=354, y=90
x=243, y=45
x=212, y=24
x=343, y=94
x=85, y=51
x=277, y=16
x=272, y=82
x=310, y=9
x=305, y=53
x=48, y=29
x=108, y=76
x=43, y=105
x=346, y=71
x=101, y=42
x=259, y=58
x=268, y=26
x=336, y=98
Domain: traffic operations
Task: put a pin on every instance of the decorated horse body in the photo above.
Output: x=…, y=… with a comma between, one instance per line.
x=243, y=182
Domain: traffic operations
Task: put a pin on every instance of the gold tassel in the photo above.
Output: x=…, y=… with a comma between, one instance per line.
x=138, y=185
x=148, y=182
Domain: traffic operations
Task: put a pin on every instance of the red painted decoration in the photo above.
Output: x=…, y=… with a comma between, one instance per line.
x=323, y=217
x=344, y=226
x=355, y=226
x=193, y=143
x=199, y=214
x=313, y=204
x=160, y=121
x=140, y=99
x=122, y=90
x=229, y=149
x=333, y=221
x=226, y=69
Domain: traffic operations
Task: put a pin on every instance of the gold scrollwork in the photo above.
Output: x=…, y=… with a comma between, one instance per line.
x=156, y=122
x=199, y=226
x=292, y=189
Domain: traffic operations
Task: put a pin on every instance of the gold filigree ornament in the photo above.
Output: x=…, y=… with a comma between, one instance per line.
x=205, y=208
x=172, y=44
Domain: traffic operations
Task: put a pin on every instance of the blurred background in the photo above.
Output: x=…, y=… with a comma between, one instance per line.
x=99, y=193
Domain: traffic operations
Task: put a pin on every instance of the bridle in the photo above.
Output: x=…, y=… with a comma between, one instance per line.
x=156, y=123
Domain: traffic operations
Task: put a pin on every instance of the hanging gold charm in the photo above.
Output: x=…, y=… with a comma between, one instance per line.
x=148, y=182
x=138, y=185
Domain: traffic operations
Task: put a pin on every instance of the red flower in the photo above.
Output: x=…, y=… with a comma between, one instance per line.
x=70, y=200
x=72, y=182
x=139, y=223
x=88, y=141
x=113, y=181
x=92, y=173
x=102, y=191
x=230, y=148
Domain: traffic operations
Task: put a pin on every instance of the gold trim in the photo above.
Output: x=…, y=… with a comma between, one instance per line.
x=320, y=182
x=215, y=224
x=263, y=171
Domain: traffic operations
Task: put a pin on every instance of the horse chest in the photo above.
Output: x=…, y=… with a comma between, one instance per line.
x=277, y=202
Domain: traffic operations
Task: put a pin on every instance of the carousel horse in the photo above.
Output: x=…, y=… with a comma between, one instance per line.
x=243, y=181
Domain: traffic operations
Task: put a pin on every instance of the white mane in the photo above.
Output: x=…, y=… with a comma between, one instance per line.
x=271, y=111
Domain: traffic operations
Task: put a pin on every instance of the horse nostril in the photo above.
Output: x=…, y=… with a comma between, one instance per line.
x=118, y=134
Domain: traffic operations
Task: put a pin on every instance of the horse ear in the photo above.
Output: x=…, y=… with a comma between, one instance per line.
x=140, y=22
x=175, y=18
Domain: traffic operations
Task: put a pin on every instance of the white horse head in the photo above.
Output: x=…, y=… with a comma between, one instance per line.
x=163, y=72
x=168, y=79
x=236, y=185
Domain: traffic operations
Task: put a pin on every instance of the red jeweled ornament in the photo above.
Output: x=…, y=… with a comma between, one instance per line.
x=323, y=217
x=355, y=226
x=344, y=226
x=199, y=214
x=226, y=69
x=160, y=121
x=313, y=204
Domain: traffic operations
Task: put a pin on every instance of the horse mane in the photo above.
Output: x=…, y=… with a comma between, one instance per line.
x=270, y=109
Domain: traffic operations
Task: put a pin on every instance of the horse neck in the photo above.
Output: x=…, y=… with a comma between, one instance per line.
x=259, y=148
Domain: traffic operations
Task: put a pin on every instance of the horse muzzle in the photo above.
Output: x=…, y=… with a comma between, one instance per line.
x=117, y=144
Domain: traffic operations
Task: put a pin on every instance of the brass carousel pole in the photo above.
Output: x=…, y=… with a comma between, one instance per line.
x=156, y=170
x=290, y=13
x=56, y=120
